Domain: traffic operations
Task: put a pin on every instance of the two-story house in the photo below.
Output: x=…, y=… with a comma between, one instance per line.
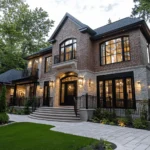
x=110, y=63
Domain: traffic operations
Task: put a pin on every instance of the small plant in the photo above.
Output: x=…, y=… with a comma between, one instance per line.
x=112, y=123
x=128, y=114
x=26, y=108
x=144, y=110
x=140, y=123
x=97, y=114
x=4, y=118
x=104, y=121
x=123, y=122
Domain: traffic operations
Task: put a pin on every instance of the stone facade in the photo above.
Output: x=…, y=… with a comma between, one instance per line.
x=87, y=64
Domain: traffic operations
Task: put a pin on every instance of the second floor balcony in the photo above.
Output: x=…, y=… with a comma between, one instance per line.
x=30, y=72
x=65, y=59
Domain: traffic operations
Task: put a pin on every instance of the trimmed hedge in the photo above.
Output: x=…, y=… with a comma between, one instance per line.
x=4, y=118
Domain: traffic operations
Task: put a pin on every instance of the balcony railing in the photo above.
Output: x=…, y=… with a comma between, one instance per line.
x=64, y=57
x=30, y=72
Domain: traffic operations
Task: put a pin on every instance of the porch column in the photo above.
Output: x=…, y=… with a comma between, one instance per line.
x=14, y=96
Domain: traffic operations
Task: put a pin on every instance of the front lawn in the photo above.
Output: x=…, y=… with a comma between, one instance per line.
x=31, y=136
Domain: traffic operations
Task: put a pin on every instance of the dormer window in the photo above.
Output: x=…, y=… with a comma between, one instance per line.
x=116, y=50
x=68, y=50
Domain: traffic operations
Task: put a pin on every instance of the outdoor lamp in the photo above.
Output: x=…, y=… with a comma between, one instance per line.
x=80, y=81
x=51, y=83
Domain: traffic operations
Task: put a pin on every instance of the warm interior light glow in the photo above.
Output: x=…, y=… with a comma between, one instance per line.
x=80, y=81
x=51, y=83
x=40, y=60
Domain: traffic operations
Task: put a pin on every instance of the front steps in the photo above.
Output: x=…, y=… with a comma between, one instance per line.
x=64, y=114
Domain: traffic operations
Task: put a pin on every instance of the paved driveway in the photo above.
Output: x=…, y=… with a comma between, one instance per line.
x=124, y=138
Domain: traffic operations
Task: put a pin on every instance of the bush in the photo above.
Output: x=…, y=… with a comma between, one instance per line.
x=140, y=123
x=4, y=118
x=26, y=108
x=105, y=121
x=128, y=114
x=98, y=115
x=3, y=99
x=123, y=122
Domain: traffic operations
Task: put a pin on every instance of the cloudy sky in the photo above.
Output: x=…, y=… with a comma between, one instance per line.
x=94, y=13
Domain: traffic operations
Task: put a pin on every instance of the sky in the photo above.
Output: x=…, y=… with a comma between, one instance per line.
x=94, y=13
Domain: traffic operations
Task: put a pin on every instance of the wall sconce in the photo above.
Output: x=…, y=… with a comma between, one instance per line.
x=40, y=60
x=80, y=81
x=90, y=82
x=138, y=82
x=51, y=83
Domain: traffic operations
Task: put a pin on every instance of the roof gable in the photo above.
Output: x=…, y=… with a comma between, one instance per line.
x=82, y=27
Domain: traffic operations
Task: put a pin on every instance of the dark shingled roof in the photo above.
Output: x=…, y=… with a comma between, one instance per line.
x=40, y=52
x=82, y=27
x=116, y=25
x=10, y=75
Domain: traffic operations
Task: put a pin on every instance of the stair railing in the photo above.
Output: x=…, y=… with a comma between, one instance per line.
x=75, y=106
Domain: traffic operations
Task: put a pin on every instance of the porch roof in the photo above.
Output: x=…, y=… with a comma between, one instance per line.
x=10, y=75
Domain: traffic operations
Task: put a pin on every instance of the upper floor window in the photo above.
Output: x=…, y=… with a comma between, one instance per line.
x=68, y=50
x=116, y=50
x=48, y=64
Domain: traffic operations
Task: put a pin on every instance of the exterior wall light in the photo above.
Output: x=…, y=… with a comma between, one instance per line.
x=139, y=82
x=51, y=83
x=80, y=81
x=90, y=82
x=40, y=60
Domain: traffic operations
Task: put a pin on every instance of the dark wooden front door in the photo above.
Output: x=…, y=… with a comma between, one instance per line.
x=68, y=92
x=46, y=94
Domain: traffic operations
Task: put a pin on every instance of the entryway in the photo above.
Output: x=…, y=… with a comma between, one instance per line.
x=46, y=94
x=68, y=89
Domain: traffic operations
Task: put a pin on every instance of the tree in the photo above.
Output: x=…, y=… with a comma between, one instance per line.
x=141, y=9
x=3, y=100
x=22, y=31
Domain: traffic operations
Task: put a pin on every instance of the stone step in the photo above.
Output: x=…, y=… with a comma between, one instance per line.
x=55, y=114
x=58, y=120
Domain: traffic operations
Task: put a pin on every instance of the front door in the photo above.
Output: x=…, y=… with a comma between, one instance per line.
x=69, y=91
x=46, y=94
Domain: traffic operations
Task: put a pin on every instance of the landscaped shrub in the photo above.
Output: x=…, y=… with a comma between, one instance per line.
x=128, y=115
x=4, y=118
x=3, y=99
x=105, y=121
x=144, y=110
x=98, y=115
x=26, y=108
x=123, y=122
x=140, y=124
x=100, y=145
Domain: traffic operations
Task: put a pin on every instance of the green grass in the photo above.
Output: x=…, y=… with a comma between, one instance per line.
x=31, y=136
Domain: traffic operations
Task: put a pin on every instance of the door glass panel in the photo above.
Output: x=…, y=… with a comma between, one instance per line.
x=62, y=93
x=129, y=92
x=101, y=92
x=108, y=93
x=119, y=93
x=70, y=89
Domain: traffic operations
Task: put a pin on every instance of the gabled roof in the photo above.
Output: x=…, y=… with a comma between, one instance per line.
x=82, y=27
x=116, y=25
x=10, y=75
x=41, y=52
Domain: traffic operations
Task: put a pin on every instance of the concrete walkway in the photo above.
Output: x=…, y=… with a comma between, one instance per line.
x=124, y=138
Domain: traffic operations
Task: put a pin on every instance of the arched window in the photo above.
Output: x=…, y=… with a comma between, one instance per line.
x=68, y=50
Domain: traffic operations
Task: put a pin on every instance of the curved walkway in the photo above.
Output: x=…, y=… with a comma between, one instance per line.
x=124, y=138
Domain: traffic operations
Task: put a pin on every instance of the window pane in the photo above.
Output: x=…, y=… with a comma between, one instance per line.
x=102, y=50
x=119, y=93
x=113, y=58
x=68, y=42
x=129, y=93
x=108, y=93
x=108, y=60
x=103, y=60
x=48, y=64
x=119, y=57
x=127, y=56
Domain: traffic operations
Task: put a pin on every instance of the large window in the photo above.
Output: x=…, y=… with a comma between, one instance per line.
x=116, y=91
x=116, y=50
x=48, y=64
x=68, y=50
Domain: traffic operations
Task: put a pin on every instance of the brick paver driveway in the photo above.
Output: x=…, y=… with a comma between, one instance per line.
x=124, y=138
